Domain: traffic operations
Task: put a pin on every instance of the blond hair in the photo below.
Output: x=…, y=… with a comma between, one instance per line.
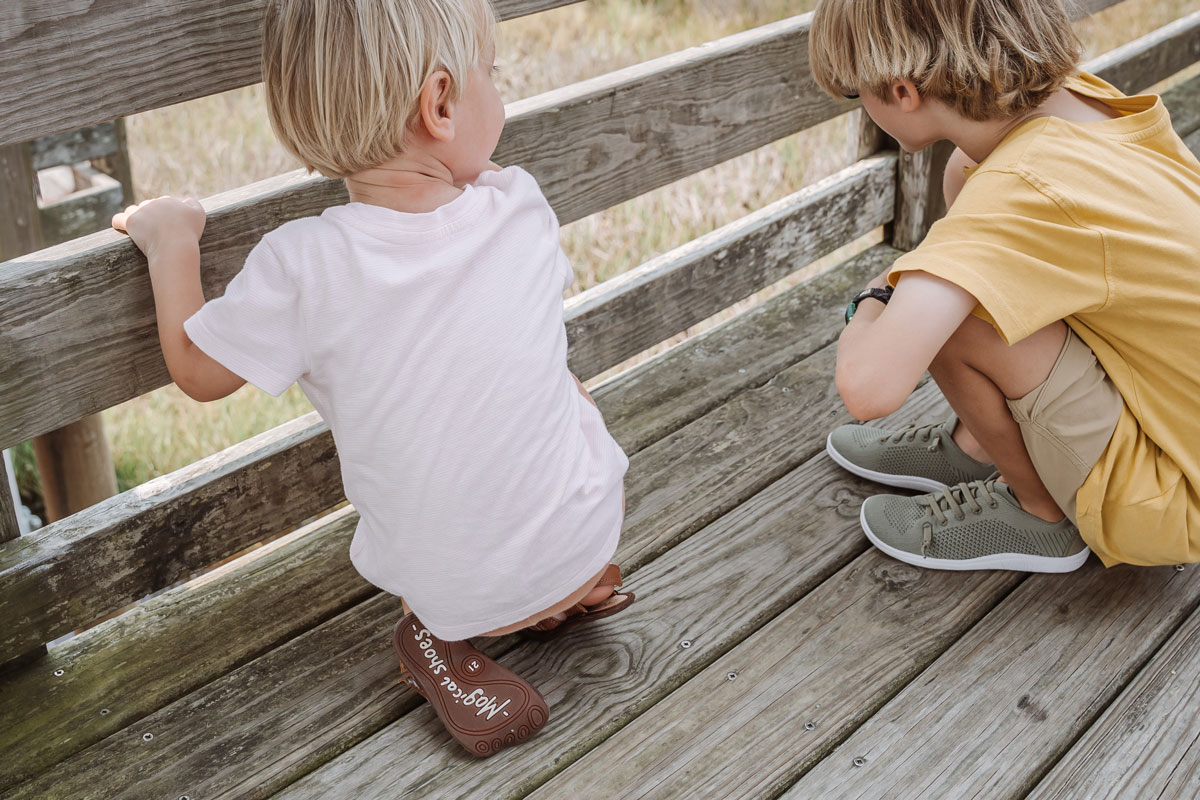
x=343, y=77
x=987, y=59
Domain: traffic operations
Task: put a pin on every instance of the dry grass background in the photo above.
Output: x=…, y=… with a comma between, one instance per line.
x=217, y=143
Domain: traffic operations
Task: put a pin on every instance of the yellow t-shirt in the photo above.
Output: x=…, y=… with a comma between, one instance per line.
x=1098, y=224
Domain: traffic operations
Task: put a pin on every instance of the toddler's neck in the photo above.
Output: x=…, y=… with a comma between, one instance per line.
x=409, y=183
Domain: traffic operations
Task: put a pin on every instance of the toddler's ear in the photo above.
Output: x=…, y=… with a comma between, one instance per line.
x=435, y=106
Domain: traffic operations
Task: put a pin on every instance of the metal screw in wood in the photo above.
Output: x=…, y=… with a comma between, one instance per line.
x=858, y=762
x=103, y=712
x=730, y=676
x=147, y=737
x=685, y=644
x=1179, y=567
x=808, y=726
x=58, y=673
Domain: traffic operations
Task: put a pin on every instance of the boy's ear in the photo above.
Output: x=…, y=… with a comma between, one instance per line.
x=904, y=94
x=435, y=107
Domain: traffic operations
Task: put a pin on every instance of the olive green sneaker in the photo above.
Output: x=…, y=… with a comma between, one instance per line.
x=975, y=525
x=923, y=457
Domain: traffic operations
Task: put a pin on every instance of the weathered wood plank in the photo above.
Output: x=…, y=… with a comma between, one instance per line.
x=1085, y=8
x=625, y=315
x=335, y=686
x=162, y=649
x=164, y=52
x=779, y=333
x=1145, y=744
x=1183, y=103
x=84, y=144
x=599, y=142
x=9, y=529
x=829, y=661
x=659, y=396
x=20, y=225
x=142, y=540
x=1026, y=681
x=919, y=198
x=712, y=590
x=77, y=321
x=1155, y=56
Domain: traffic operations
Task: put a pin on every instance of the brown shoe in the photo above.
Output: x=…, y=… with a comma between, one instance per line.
x=483, y=705
x=552, y=628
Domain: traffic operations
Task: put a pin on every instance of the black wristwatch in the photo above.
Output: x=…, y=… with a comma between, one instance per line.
x=882, y=295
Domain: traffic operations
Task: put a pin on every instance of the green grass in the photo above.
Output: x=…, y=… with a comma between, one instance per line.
x=217, y=143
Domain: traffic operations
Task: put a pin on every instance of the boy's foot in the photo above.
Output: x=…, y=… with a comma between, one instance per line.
x=976, y=525
x=483, y=705
x=923, y=457
x=557, y=625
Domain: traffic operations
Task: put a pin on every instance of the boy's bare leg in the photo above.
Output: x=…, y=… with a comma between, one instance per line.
x=976, y=372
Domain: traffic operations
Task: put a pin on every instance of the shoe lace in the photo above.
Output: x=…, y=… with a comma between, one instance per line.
x=910, y=433
x=958, y=500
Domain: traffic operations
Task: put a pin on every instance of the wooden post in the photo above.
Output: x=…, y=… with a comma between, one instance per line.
x=868, y=137
x=9, y=529
x=117, y=164
x=919, y=199
x=74, y=461
x=20, y=225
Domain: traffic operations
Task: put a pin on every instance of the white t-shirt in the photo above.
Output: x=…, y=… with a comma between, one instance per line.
x=434, y=347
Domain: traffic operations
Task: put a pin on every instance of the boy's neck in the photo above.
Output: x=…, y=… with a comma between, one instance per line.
x=413, y=182
x=978, y=139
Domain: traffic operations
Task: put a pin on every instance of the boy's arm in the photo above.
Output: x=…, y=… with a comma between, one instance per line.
x=168, y=231
x=885, y=350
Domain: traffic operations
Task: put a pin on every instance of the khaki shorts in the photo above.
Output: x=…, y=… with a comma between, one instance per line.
x=1068, y=420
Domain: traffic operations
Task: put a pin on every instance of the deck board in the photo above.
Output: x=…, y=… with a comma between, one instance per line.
x=712, y=590
x=831, y=660
x=995, y=712
x=1145, y=744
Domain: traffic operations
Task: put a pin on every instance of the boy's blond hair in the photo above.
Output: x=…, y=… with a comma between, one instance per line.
x=987, y=59
x=344, y=77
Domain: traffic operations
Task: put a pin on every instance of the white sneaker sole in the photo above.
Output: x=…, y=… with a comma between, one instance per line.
x=901, y=481
x=1018, y=562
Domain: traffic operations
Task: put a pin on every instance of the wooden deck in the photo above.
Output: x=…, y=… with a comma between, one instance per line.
x=771, y=651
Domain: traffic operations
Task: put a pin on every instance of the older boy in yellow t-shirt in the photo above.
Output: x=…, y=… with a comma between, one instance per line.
x=1056, y=306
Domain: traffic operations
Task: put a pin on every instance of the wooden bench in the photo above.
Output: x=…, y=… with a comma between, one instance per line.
x=770, y=653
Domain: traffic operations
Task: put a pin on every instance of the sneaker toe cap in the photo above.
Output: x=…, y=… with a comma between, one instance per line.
x=894, y=521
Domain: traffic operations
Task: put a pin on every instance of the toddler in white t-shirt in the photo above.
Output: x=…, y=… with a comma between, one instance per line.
x=423, y=320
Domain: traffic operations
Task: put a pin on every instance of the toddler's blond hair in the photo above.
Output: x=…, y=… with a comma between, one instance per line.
x=343, y=77
x=987, y=59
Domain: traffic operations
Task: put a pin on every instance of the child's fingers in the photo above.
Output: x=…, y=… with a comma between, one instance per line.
x=194, y=203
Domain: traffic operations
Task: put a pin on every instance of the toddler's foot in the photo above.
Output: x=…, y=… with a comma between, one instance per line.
x=976, y=525
x=592, y=608
x=483, y=705
x=924, y=458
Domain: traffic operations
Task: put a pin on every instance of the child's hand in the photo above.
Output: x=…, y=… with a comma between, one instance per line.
x=158, y=222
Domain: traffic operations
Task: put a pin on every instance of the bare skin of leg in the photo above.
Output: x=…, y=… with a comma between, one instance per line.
x=976, y=372
x=591, y=593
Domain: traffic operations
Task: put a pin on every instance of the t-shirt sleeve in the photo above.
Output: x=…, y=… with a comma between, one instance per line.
x=1018, y=251
x=524, y=188
x=256, y=329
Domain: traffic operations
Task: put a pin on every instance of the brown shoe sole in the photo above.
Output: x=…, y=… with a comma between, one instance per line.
x=483, y=705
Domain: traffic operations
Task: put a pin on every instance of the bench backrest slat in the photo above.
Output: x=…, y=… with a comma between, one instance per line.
x=69, y=65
